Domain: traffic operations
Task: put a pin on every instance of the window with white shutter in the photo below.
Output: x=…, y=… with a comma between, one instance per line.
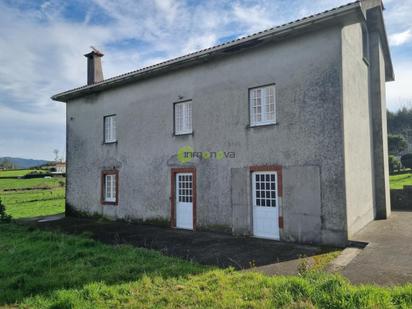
x=183, y=117
x=110, y=129
x=262, y=105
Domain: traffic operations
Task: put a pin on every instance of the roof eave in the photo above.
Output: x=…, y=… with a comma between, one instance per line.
x=389, y=71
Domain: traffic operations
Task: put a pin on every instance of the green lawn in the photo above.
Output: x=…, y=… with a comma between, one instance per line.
x=41, y=269
x=400, y=180
x=34, y=197
x=15, y=173
x=25, y=204
x=38, y=183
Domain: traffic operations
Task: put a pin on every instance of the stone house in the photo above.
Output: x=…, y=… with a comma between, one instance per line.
x=280, y=135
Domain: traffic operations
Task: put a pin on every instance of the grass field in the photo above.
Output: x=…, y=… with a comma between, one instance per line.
x=31, y=197
x=15, y=173
x=400, y=180
x=41, y=269
x=26, y=204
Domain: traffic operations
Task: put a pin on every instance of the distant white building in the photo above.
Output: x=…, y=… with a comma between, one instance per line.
x=58, y=168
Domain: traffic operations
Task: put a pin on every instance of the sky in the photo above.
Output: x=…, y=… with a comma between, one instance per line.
x=42, y=44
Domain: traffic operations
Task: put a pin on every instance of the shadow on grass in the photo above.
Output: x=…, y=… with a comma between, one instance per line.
x=34, y=262
x=208, y=248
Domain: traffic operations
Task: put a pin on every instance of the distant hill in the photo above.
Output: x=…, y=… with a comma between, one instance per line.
x=23, y=163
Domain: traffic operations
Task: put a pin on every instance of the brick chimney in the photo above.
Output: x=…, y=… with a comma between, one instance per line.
x=94, y=66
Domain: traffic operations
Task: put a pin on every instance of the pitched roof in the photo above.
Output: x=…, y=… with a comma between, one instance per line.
x=225, y=48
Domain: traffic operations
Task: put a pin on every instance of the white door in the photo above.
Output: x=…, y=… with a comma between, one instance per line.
x=184, y=201
x=265, y=205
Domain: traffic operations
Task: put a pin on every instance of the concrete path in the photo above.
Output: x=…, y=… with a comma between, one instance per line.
x=222, y=250
x=387, y=259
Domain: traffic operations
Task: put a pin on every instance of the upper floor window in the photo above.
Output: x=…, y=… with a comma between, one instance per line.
x=262, y=105
x=110, y=129
x=183, y=117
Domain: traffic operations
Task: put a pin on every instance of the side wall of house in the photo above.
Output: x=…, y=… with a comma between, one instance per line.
x=357, y=130
x=378, y=98
x=307, y=141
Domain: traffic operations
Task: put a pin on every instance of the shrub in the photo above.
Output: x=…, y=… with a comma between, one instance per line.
x=4, y=218
x=36, y=174
x=394, y=164
x=407, y=160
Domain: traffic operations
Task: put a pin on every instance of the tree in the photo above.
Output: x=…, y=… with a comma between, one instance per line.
x=396, y=144
x=4, y=217
x=394, y=164
x=400, y=122
x=56, y=155
x=407, y=160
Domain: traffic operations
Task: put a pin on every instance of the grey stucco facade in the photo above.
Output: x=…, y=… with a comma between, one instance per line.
x=327, y=140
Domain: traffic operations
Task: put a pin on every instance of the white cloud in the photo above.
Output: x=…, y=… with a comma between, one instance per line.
x=198, y=43
x=397, y=15
x=42, y=50
x=169, y=8
x=30, y=134
x=399, y=93
x=39, y=58
x=256, y=17
x=400, y=38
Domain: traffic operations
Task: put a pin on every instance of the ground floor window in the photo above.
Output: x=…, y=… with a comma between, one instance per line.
x=110, y=185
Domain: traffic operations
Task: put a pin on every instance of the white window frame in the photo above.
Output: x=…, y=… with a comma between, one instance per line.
x=109, y=126
x=262, y=105
x=183, y=118
x=273, y=198
x=110, y=187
